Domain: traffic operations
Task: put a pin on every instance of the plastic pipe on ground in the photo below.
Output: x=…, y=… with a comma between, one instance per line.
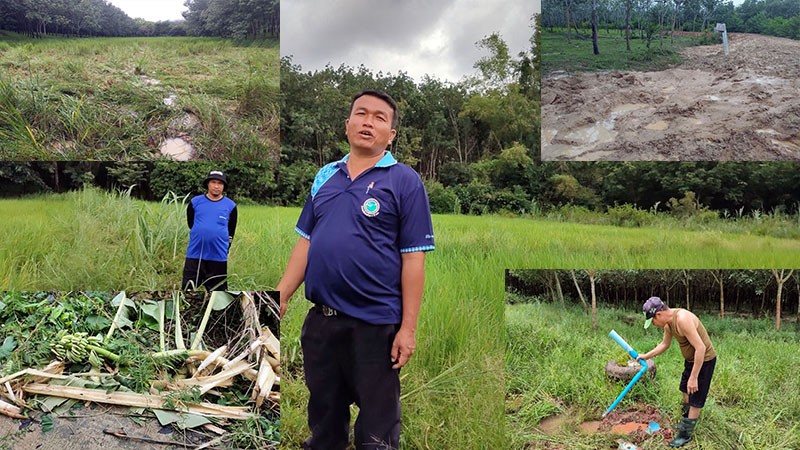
x=636, y=377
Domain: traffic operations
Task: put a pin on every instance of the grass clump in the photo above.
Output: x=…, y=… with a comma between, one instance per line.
x=104, y=98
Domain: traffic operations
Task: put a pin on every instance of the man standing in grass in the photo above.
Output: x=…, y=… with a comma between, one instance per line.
x=698, y=352
x=364, y=231
x=212, y=224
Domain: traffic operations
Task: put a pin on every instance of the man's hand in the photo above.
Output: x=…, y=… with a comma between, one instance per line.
x=405, y=342
x=691, y=385
x=284, y=304
x=643, y=357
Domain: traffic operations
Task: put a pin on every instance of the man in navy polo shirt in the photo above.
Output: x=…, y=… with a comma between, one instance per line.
x=364, y=232
x=212, y=223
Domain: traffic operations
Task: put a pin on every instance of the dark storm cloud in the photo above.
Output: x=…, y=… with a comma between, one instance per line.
x=418, y=37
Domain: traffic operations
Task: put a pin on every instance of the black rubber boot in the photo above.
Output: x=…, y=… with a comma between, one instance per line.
x=686, y=428
x=685, y=414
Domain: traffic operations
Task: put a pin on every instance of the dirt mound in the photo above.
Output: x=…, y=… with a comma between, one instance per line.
x=634, y=422
x=712, y=107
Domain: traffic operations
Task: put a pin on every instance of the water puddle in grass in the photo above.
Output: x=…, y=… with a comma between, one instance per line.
x=149, y=81
x=590, y=427
x=170, y=101
x=177, y=149
x=552, y=424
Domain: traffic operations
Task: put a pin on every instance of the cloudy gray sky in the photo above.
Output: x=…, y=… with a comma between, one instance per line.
x=152, y=10
x=434, y=37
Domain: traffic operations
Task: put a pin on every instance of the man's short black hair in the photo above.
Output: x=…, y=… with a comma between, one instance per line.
x=383, y=96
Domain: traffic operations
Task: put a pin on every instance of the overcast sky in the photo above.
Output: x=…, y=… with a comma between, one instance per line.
x=152, y=10
x=434, y=37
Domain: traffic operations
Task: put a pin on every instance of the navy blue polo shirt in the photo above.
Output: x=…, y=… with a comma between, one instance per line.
x=357, y=231
x=208, y=237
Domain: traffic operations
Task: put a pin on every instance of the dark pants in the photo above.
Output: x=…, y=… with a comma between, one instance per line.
x=213, y=275
x=698, y=399
x=346, y=361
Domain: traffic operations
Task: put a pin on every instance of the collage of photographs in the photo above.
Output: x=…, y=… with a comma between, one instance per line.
x=378, y=225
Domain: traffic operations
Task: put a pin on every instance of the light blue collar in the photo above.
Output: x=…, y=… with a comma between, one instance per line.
x=386, y=161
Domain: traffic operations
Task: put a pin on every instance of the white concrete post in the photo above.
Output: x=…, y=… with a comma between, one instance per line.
x=721, y=27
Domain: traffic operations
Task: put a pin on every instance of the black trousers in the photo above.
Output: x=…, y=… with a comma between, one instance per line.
x=213, y=275
x=345, y=361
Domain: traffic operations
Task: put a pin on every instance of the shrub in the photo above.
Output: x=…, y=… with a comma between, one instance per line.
x=516, y=202
x=442, y=199
x=628, y=215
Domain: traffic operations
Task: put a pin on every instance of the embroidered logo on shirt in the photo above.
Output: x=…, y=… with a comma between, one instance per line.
x=370, y=207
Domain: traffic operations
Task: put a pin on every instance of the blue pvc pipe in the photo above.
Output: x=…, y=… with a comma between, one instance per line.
x=636, y=377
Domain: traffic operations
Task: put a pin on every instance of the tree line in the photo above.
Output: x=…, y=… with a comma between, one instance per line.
x=753, y=293
x=238, y=19
x=511, y=182
x=645, y=19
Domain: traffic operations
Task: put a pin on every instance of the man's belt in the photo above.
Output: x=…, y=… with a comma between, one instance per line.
x=326, y=310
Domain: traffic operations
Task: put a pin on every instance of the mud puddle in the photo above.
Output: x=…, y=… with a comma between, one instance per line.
x=633, y=423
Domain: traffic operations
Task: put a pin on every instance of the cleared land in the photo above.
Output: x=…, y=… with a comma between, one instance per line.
x=710, y=107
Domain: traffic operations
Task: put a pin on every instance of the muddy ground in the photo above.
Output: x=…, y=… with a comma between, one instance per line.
x=86, y=432
x=744, y=106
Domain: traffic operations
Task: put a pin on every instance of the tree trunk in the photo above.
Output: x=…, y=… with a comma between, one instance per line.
x=780, y=279
x=558, y=287
x=568, y=4
x=686, y=279
x=628, y=25
x=720, y=281
x=594, y=299
x=578, y=287
x=594, y=28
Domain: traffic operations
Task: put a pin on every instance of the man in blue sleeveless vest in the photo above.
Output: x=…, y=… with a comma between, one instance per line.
x=364, y=231
x=212, y=224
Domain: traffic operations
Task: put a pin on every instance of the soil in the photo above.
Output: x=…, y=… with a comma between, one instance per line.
x=632, y=422
x=85, y=432
x=711, y=107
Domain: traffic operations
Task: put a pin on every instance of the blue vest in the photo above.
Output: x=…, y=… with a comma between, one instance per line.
x=208, y=238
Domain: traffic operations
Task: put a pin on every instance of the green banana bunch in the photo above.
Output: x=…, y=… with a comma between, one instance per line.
x=76, y=347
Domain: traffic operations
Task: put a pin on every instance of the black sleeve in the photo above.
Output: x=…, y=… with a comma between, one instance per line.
x=190, y=215
x=232, y=223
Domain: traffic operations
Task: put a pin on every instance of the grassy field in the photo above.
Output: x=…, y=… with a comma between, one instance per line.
x=107, y=98
x=95, y=240
x=554, y=366
x=452, y=387
x=577, y=56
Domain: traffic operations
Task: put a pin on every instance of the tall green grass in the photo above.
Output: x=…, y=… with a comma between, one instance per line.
x=554, y=365
x=97, y=98
x=96, y=240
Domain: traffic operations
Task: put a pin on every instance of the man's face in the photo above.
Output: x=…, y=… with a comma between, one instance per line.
x=659, y=319
x=369, y=126
x=215, y=187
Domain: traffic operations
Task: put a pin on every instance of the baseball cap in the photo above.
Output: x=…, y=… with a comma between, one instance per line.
x=215, y=175
x=650, y=308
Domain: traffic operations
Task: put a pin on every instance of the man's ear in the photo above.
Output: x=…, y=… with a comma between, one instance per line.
x=394, y=134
